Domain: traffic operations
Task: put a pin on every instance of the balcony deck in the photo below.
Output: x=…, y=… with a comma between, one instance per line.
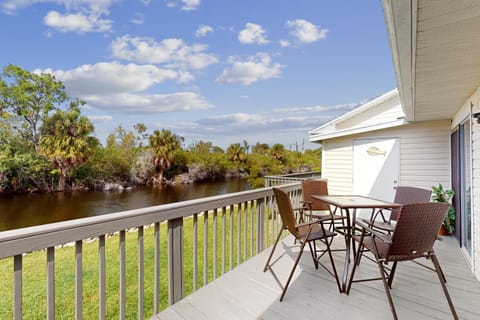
x=248, y=293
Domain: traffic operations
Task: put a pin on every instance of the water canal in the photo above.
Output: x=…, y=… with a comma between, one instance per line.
x=34, y=209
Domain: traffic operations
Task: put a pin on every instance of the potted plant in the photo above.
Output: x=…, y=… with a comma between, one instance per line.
x=439, y=194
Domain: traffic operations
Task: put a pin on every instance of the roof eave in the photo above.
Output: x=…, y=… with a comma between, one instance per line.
x=401, y=28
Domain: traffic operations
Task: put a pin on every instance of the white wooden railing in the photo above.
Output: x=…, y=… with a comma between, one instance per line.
x=271, y=181
x=235, y=227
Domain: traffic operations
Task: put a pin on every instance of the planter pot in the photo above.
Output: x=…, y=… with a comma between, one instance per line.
x=443, y=231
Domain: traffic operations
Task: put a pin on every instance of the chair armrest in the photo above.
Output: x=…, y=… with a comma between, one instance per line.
x=317, y=221
x=385, y=238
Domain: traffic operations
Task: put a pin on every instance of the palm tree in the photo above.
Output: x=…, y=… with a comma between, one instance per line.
x=164, y=146
x=236, y=153
x=278, y=152
x=66, y=140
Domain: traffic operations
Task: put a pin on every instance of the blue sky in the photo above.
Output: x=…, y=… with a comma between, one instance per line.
x=223, y=71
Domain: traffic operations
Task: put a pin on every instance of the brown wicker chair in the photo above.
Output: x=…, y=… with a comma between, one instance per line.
x=314, y=208
x=304, y=233
x=403, y=195
x=413, y=238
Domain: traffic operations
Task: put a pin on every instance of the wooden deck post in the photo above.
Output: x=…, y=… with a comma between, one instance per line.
x=175, y=260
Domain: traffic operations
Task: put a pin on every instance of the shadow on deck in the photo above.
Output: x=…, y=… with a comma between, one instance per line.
x=248, y=293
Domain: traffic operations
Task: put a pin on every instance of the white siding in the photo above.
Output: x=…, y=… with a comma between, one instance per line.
x=337, y=165
x=388, y=111
x=476, y=195
x=424, y=156
x=476, y=185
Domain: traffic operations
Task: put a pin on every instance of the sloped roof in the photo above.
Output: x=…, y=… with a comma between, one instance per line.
x=383, y=112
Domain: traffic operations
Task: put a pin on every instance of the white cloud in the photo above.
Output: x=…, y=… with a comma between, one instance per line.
x=226, y=129
x=253, y=33
x=138, y=18
x=189, y=5
x=171, y=4
x=76, y=22
x=256, y=68
x=170, y=51
x=106, y=78
x=284, y=43
x=203, y=30
x=80, y=15
x=316, y=109
x=306, y=31
x=150, y=103
x=100, y=119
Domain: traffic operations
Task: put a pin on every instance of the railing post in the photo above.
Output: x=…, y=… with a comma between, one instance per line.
x=175, y=260
x=260, y=224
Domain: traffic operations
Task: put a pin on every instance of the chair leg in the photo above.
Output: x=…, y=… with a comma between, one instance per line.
x=294, y=267
x=333, y=265
x=441, y=278
x=273, y=249
x=387, y=288
x=392, y=273
x=313, y=252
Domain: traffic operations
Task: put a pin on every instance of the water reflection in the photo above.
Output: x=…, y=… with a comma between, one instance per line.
x=34, y=209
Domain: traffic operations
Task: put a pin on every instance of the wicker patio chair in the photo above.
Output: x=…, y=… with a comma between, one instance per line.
x=413, y=238
x=304, y=233
x=403, y=195
x=314, y=208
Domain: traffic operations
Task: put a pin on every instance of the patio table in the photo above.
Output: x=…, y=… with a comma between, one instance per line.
x=349, y=205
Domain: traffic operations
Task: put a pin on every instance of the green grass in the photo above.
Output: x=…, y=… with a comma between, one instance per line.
x=34, y=271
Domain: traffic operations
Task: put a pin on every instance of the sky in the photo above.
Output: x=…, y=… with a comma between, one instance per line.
x=224, y=71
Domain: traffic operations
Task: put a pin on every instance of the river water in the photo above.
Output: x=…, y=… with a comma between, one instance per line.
x=34, y=209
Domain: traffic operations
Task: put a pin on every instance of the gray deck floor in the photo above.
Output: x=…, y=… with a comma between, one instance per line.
x=248, y=293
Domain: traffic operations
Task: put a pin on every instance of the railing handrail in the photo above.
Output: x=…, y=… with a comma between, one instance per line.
x=298, y=174
x=19, y=241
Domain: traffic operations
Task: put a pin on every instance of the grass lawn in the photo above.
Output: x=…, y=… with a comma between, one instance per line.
x=34, y=270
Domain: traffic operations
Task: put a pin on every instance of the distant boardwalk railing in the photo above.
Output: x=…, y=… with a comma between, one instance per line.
x=176, y=247
x=271, y=181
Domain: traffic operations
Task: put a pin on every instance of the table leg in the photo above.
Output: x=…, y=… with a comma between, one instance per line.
x=348, y=239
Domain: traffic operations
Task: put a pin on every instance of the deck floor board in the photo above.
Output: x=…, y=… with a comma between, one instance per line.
x=249, y=293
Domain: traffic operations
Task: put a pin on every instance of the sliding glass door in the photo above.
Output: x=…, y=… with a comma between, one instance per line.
x=461, y=183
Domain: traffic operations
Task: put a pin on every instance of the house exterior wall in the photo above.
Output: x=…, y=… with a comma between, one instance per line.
x=476, y=193
x=424, y=155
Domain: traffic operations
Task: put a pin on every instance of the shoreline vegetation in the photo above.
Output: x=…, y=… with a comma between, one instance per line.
x=49, y=146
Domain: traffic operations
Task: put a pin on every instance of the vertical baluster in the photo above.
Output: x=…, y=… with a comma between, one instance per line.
x=224, y=238
x=51, y=283
x=195, y=251
x=274, y=220
x=141, y=279
x=239, y=231
x=17, y=291
x=260, y=225
x=215, y=244
x=245, y=223
x=251, y=227
x=268, y=217
x=101, y=278
x=156, y=271
x=231, y=236
x=78, y=280
x=205, y=248
x=123, y=276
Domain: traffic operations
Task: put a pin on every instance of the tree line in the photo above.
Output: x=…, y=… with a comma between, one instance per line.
x=48, y=145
